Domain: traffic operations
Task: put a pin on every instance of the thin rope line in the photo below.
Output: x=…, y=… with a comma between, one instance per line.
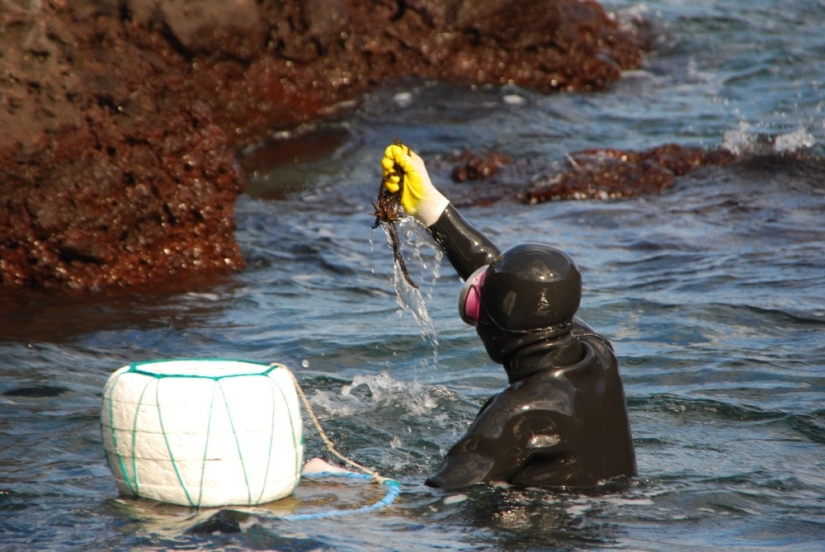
x=271, y=438
x=393, y=490
x=206, y=445
x=134, y=437
x=327, y=441
x=237, y=444
x=169, y=446
x=110, y=389
x=296, y=446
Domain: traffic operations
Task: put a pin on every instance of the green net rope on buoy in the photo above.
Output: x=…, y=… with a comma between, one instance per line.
x=128, y=424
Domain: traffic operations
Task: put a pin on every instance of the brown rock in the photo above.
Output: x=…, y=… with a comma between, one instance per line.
x=119, y=117
x=106, y=183
x=613, y=174
x=471, y=166
x=231, y=27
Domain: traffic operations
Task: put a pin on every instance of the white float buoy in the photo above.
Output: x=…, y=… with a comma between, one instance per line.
x=203, y=432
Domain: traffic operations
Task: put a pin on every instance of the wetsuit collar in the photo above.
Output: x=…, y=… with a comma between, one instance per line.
x=543, y=350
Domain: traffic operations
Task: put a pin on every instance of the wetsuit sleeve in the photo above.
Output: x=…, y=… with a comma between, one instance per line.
x=465, y=246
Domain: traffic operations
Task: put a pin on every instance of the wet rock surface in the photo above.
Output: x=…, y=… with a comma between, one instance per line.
x=615, y=174
x=121, y=118
x=471, y=166
x=109, y=177
x=590, y=174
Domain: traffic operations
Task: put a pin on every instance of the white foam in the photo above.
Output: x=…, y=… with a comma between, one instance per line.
x=384, y=390
x=455, y=499
x=403, y=99
x=740, y=140
x=745, y=140
x=793, y=141
x=514, y=99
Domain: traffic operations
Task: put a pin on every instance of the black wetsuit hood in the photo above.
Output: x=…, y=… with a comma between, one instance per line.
x=532, y=287
x=530, y=295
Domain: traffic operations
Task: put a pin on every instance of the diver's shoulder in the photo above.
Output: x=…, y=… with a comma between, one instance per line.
x=585, y=333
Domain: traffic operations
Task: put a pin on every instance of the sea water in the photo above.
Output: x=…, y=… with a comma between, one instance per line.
x=712, y=293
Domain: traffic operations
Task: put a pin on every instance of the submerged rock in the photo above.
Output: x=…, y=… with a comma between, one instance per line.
x=588, y=174
x=613, y=174
x=120, y=117
x=470, y=166
x=35, y=391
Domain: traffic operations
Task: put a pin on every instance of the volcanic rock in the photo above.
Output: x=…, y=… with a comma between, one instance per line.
x=613, y=174
x=120, y=118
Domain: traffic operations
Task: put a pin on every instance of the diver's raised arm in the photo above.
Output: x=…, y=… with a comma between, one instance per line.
x=466, y=247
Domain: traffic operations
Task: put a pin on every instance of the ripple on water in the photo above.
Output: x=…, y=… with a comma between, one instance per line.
x=711, y=292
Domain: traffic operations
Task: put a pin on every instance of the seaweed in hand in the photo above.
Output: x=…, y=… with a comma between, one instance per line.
x=387, y=214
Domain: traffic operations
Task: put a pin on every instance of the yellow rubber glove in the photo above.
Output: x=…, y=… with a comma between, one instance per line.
x=419, y=197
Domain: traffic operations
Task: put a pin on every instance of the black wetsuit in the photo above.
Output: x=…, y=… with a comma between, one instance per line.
x=562, y=422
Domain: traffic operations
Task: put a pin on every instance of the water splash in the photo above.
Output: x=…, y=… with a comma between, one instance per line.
x=746, y=140
x=368, y=393
x=417, y=246
x=793, y=141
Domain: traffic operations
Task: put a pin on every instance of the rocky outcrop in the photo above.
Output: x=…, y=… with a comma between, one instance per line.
x=484, y=179
x=615, y=174
x=108, y=176
x=120, y=118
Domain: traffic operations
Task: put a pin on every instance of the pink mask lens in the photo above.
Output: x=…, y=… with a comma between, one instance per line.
x=469, y=303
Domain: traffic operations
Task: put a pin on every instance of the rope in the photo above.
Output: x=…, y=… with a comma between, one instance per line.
x=393, y=490
x=327, y=441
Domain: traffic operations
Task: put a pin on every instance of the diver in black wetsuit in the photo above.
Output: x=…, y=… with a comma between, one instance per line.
x=562, y=422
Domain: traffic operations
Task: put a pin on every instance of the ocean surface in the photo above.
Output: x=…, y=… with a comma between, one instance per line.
x=712, y=293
